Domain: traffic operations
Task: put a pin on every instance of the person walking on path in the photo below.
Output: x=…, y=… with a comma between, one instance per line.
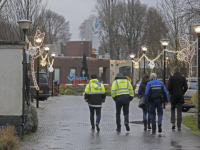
x=155, y=93
x=122, y=93
x=177, y=87
x=145, y=109
x=95, y=95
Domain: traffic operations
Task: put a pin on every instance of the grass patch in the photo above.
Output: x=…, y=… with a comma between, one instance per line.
x=191, y=122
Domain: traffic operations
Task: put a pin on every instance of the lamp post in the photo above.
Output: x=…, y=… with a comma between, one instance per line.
x=167, y=58
x=24, y=24
x=132, y=56
x=144, y=49
x=38, y=42
x=53, y=54
x=47, y=48
x=197, y=30
x=165, y=43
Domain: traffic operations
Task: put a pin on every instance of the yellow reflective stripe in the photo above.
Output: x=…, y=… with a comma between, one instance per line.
x=124, y=92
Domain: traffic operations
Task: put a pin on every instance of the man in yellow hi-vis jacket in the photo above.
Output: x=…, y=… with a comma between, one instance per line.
x=122, y=93
x=94, y=95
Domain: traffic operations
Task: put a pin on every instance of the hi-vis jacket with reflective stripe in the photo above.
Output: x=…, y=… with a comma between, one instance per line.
x=122, y=90
x=94, y=93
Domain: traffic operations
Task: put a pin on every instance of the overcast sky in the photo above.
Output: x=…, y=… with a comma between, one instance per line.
x=75, y=11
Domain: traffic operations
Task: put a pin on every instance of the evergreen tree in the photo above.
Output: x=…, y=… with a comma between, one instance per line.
x=84, y=67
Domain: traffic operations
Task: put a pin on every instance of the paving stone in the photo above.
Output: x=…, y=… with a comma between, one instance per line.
x=65, y=124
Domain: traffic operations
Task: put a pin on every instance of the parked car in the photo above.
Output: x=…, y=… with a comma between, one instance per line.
x=44, y=91
x=137, y=88
x=188, y=96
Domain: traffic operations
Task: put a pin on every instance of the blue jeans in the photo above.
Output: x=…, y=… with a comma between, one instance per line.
x=146, y=112
x=98, y=115
x=125, y=106
x=152, y=110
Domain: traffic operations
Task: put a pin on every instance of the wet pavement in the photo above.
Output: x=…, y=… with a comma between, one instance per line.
x=64, y=124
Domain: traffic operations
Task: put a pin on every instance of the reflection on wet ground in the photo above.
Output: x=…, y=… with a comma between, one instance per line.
x=65, y=124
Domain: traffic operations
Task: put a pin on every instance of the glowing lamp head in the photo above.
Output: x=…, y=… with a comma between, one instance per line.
x=53, y=54
x=196, y=28
x=167, y=58
x=144, y=48
x=46, y=48
x=165, y=42
x=132, y=55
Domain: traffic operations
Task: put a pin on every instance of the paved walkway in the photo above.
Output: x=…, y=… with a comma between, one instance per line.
x=64, y=124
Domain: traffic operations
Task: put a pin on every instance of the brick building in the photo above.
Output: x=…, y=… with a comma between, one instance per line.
x=72, y=62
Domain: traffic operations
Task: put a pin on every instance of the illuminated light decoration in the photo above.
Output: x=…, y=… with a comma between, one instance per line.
x=187, y=51
x=118, y=61
x=136, y=65
x=43, y=61
x=50, y=65
x=35, y=51
x=151, y=64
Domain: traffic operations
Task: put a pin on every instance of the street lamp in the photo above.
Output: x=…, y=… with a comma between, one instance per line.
x=144, y=49
x=132, y=56
x=47, y=48
x=53, y=54
x=165, y=43
x=167, y=58
x=197, y=30
x=24, y=24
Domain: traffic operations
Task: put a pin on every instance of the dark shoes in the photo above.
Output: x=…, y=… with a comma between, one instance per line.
x=118, y=130
x=98, y=129
x=149, y=124
x=159, y=128
x=173, y=127
x=145, y=125
x=179, y=129
x=127, y=127
x=153, y=132
x=93, y=128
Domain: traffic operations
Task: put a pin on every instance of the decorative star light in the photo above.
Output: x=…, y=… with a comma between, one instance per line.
x=43, y=61
x=151, y=64
x=50, y=69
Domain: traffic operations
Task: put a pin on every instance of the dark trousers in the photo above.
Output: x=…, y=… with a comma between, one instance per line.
x=125, y=106
x=179, y=113
x=98, y=115
x=157, y=104
x=146, y=112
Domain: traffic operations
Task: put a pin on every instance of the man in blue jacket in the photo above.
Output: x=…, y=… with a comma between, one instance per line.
x=155, y=94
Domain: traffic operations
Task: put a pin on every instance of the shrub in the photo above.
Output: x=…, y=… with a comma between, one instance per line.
x=1, y=147
x=108, y=93
x=73, y=92
x=68, y=92
x=62, y=91
x=32, y=118
x=195, y=99
x=8, y=138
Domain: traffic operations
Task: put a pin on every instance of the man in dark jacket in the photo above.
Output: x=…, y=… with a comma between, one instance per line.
x=94, y=95
x=122, y=93
x=177, y=86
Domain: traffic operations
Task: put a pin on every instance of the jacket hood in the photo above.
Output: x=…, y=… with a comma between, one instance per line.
x=120, y=77
x=95, y=84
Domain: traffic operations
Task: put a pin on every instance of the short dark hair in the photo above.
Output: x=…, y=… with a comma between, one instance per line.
x=145, y=77
x=119, y=75
x=94, y=76
x=176, y=69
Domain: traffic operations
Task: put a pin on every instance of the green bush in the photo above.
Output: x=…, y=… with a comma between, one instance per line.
x=73, y=92
x=32, y=118
x=108, y=93
x=1, y=147
x=62, y=91
x=195, y=99
x=68, y=92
